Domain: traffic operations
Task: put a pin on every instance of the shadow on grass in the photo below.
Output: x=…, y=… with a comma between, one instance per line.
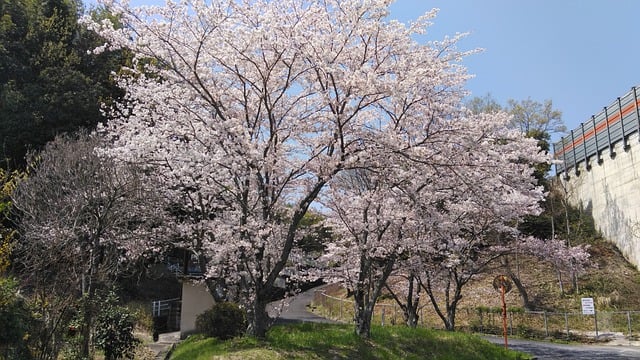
x=325, y=341
x=198, y=347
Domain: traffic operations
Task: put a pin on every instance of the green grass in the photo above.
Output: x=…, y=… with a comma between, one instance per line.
x=323, y=341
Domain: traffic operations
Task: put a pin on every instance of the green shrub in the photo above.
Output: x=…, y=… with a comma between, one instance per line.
x=15, y=319
x=224, y=320
x=142, y=313
x=114, y=330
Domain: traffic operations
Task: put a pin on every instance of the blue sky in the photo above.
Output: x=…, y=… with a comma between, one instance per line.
x=581, y=54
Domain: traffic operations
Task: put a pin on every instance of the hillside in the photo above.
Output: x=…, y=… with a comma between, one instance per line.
x=612, y=281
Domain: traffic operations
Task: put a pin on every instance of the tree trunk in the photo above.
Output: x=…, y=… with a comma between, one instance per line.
x=429, y=290
x=367, y=292
x=410, y=306
x=363, y=317
x=560, y=282
x=258, y=319
x=526, y=303
x=89, y=297
x=452, y=305
x=450, y=322
x=411, y=317
x=87, y=323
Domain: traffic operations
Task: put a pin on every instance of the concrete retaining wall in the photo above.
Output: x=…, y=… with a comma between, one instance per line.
x=611, y=192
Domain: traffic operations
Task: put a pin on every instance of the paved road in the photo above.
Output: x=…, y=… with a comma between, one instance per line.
x=552, y=351
x=297, y=311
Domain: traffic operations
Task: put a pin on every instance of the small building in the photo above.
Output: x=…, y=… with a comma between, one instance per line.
x=195, y=297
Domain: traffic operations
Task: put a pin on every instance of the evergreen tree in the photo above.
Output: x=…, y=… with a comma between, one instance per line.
x=49, y=82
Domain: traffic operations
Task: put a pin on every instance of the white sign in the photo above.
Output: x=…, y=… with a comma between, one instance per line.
x=588, y=308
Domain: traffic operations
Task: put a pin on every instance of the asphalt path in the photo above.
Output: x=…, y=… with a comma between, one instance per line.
x=546, y=350
x=297, y=311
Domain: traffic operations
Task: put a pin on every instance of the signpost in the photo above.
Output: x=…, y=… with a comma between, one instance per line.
x=589, y=308
x=503, y=285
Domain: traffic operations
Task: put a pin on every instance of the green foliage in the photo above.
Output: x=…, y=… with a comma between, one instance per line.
x=8, y=181
x=142, y=313
x=569, y=222
x=224, y=320
x=15, y=319
x=315, y=234
x=114, y=330
x=49, y=83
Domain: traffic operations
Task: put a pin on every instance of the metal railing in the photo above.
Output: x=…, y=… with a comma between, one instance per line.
x=586, y=143
x=166, y=314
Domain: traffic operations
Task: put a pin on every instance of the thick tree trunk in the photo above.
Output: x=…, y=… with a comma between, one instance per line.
x=450, y=323
x=411, y=309
x=258, y=319
x=411, y=318
x=364, y=314
x=368, y=290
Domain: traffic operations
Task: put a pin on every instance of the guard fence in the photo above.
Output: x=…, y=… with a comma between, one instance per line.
x=570, y=325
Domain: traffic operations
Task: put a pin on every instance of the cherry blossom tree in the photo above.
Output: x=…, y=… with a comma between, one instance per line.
x=564, y=258
x=368, y=220
x=479, y=206
x=444, y=207
x=247, y=110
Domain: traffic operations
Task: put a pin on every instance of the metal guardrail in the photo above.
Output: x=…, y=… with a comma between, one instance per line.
x=614, y=124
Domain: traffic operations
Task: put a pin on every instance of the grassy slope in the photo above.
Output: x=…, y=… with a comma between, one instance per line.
x=322, y=341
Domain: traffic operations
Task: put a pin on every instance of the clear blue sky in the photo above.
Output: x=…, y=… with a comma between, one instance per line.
x=582, y=54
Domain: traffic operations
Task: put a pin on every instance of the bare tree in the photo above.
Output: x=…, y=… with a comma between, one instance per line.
x=533, y=117
x=81, y=217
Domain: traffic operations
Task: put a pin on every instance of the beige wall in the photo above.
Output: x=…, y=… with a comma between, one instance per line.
x=611, y=191
x=195, y=300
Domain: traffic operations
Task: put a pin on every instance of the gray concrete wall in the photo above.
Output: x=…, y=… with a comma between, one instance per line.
x=195, y=300
x=611, y=192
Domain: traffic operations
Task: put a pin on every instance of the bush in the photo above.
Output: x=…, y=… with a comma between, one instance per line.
x=114, y=330
x=142, y=313
x=224, y=320
x=15, y=319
